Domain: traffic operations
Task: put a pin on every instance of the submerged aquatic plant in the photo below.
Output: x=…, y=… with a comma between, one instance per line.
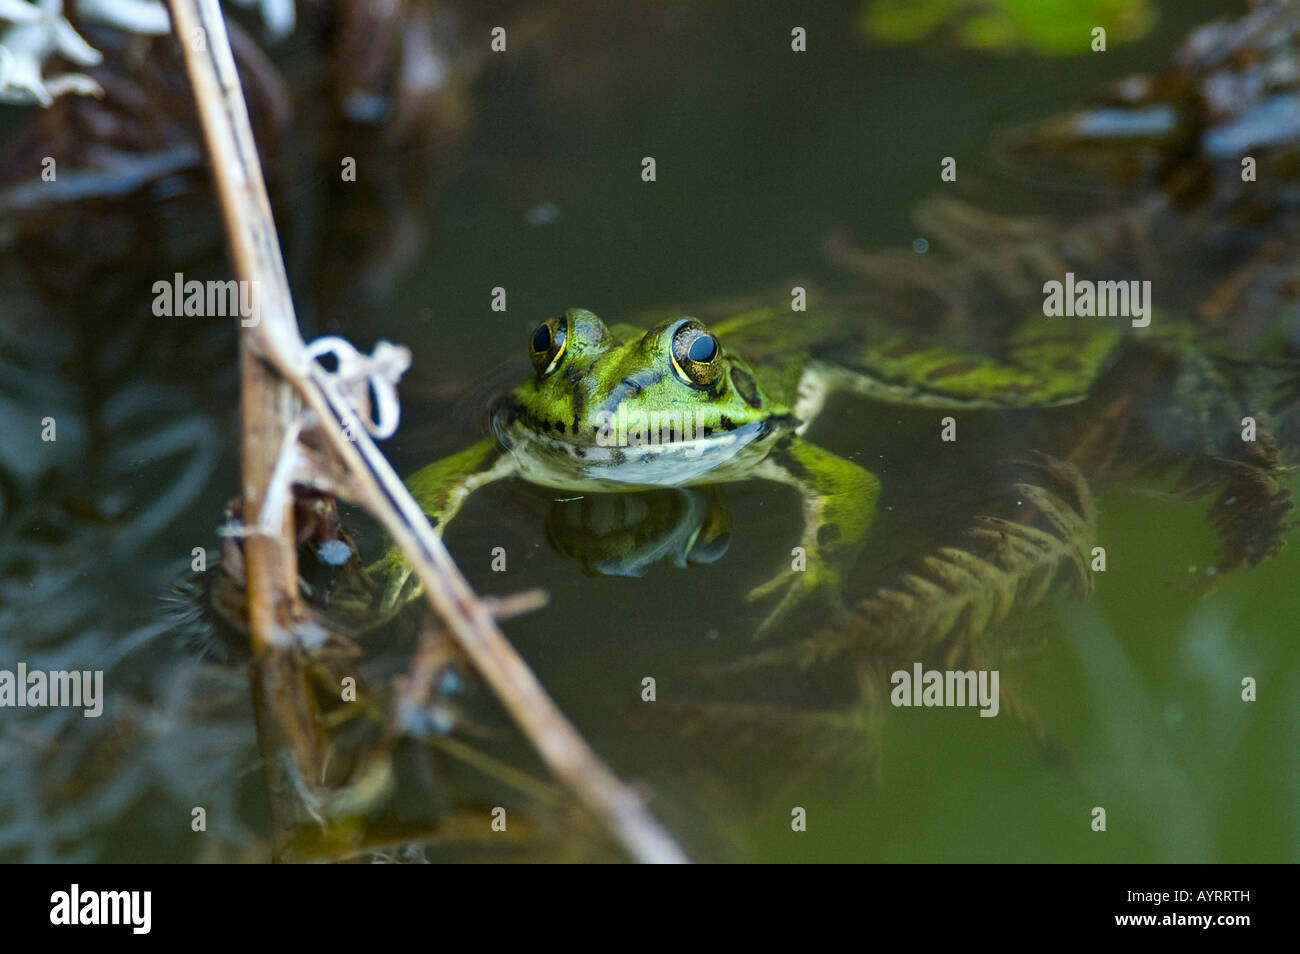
x=1003, y=566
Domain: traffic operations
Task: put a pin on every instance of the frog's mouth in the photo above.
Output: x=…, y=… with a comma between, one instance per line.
x=622, y=460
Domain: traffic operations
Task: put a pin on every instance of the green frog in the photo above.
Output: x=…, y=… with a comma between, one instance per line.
x=680, y=405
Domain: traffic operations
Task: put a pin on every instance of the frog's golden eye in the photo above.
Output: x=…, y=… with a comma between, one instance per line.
x=697, y=356
x=548, y=344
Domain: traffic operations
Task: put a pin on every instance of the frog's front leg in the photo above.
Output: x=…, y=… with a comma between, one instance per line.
x=440, y=489
x=839, y=502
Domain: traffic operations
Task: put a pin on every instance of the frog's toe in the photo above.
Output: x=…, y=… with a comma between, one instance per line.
x=400, y=587
x=796, y=586
x=782, y=581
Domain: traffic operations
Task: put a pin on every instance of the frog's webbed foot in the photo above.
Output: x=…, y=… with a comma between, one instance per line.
x=797, y=586
x=440, y=489
x=839, y=501
x=400, y=584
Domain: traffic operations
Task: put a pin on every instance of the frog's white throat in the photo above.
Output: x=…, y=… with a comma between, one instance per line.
x=551, y=461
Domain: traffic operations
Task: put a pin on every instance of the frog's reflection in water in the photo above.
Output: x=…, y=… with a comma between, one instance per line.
x=624, y=534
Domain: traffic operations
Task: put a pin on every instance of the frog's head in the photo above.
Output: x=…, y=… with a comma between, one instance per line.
x=673, y=385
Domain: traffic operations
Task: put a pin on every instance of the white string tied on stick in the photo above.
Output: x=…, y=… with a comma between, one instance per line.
x=356, y=378
x=359, y=375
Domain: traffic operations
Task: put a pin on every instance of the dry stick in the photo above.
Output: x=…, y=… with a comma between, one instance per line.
x=276, y=339
x=284, y=706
